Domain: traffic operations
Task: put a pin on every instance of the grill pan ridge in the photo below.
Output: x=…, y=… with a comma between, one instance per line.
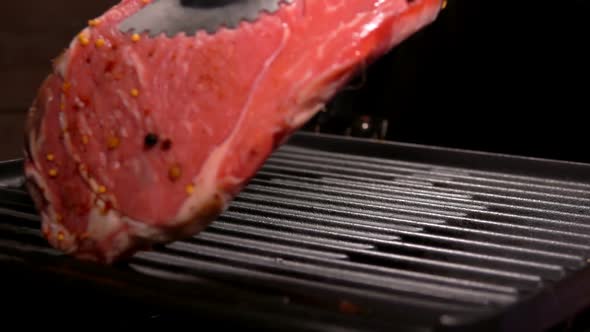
x=338, y=234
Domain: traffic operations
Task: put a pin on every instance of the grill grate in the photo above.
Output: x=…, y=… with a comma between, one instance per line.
x=365, y=233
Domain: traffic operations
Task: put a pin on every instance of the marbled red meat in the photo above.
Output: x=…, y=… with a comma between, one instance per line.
x=134, y=140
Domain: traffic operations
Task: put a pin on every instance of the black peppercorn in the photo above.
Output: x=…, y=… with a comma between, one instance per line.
x=151, y=140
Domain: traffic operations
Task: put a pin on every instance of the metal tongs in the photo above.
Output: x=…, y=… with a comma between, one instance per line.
x=171, y=17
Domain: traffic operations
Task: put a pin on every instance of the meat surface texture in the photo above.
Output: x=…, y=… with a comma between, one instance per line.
x=134, y=141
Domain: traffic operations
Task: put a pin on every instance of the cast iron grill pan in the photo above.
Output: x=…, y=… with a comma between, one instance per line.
x=343, y=234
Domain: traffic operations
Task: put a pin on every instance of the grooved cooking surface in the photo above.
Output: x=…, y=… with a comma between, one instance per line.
x=445, y=240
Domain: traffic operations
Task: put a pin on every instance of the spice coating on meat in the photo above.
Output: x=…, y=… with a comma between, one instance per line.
x=136, y=140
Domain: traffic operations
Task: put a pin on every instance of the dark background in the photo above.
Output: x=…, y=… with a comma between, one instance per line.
x=496, y=76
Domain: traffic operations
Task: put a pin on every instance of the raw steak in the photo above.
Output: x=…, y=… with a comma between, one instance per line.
x=134, y=140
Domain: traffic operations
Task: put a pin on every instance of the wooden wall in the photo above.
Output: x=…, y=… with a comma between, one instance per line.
x=32, y=33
